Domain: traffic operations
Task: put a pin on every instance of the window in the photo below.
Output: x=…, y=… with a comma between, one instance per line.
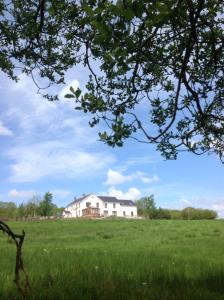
x=105, y=205
x=97, y=205
x=88, y=204
x=114, y=205
x=105, y=213
x=132, y=214
x=114, y=213
x=123, y=213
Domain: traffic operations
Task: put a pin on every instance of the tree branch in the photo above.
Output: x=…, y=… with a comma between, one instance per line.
x=22, y=288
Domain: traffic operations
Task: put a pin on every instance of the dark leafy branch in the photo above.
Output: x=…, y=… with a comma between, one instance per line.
x=168, y=53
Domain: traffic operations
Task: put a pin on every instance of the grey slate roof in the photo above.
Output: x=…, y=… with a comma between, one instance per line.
x=106, y=199
x=126, y=202
x=115, y=200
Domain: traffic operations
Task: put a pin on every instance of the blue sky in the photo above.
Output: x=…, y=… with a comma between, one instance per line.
x=49, y=146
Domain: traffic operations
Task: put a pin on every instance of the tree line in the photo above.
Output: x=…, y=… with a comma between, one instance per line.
x=147, y=208
x=35, y=207
x=44, y=207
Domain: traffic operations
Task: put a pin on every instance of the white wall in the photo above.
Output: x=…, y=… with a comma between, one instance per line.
x=120, y=209
x=129, y=210
x=77, y=207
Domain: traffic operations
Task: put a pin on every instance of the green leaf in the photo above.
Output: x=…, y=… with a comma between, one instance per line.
x=87, y=9
x=78, y=93
x=72, y=89
x=69, y=96
x=128, y=14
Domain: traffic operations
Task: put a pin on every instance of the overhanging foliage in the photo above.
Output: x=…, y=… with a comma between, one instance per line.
x=166, y=53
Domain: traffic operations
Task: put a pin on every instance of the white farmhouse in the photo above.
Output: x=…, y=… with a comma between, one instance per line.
x=100, y=206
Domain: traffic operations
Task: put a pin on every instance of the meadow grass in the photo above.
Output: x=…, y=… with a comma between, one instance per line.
x=118, y=259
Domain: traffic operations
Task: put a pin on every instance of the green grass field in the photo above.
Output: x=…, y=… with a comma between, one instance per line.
x=118, y=259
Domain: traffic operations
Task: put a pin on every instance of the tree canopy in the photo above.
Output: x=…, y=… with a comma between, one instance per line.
x=46, y=206
x=147, y=207
x=165, y=54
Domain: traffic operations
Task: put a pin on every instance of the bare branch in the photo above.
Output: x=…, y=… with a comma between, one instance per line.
x=23, y=288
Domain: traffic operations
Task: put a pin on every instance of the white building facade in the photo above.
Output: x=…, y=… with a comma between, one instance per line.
x=100, y=206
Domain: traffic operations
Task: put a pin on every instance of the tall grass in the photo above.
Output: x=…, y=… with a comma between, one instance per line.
x=118, y=259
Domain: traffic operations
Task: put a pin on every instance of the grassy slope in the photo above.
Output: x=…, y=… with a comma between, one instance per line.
x=118, y=259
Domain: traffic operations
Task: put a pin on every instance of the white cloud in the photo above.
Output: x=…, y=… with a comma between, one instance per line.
x=131, y=194
x=77, y=128
x=21, y=194
x=116, y=177
x=143, y=160
x=146, y=179
x=52, y=139
x=36, y=115
x=4, y=130
x=219, y=207
x=55, y=159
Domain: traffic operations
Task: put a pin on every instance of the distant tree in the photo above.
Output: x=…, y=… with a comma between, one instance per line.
x=191, y=213
x=46, y=206
x=175, y=214
x=57, y=211
x=147, y=207
x=8, y=210
x=209, y=214
x=140, y=208
x=162, y=213
x=187, y=213
x=30, y=208
x=21, y=210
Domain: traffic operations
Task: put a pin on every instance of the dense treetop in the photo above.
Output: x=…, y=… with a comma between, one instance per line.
x=165, y=53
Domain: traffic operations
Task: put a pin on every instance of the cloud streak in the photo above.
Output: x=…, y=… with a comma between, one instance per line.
x=116, y=177
x=14, y=193
x=54, y=159
x=52, y=140
x=4, y=131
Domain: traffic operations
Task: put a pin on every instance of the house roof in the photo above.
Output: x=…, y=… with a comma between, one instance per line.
x=126, y=202
x=105, y=199
x=78, y=200
x=115, y=200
